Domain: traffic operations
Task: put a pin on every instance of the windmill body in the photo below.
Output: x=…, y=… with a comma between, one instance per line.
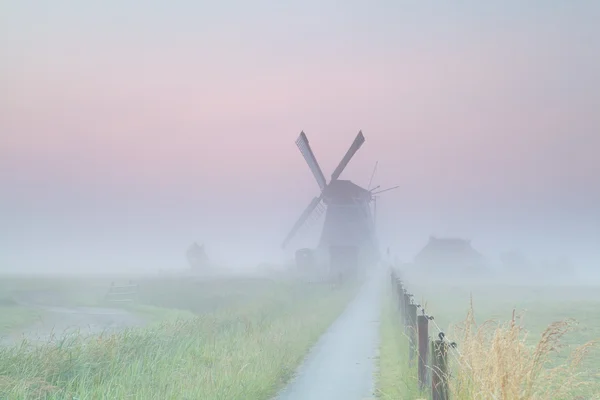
x=348, y=239
x=348, y=219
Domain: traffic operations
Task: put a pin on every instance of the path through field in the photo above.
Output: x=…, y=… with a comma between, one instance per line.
x=60, y=321
x=343, y=362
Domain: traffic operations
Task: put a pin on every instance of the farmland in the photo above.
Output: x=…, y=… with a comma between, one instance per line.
x=216, y=339
x=245, y=337
x=551, y=323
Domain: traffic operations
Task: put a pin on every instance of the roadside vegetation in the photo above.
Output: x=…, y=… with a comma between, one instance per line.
x=498, y=361
x=244, y=341
x=513, y=343
x=395, y=379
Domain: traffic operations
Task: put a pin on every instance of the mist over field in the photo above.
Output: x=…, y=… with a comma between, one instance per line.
x=128, y=133
x=155, y=156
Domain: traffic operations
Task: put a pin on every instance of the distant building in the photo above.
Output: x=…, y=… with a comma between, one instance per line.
x=197, y=257
x=517, y=262
x=449, y=255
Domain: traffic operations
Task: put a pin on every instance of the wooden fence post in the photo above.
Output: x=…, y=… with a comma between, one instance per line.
x=439, y=376
x=400, y=297
x=423, y=361
x=412, y=331
x=405, y=311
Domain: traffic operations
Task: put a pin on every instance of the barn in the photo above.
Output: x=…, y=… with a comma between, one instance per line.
x=449, y=255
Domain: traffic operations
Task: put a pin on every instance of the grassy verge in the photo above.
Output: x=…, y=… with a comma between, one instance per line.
x=497, y=361
x=543, y=351
x=396, y=379
x=246, y=350
x=154, y=315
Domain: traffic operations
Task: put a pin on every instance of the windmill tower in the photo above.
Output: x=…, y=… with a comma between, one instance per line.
x=348, y=238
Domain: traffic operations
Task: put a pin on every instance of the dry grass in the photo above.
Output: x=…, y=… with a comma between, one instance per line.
x=550, y=354
x=496, y=361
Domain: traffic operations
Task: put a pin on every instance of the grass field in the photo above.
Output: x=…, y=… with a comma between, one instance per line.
x=244, y=341
x=508, y=351
x=54, y=291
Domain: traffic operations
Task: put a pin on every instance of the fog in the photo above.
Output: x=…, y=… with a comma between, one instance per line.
x=128, y=133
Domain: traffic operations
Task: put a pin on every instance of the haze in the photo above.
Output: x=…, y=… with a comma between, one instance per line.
x=128, y=130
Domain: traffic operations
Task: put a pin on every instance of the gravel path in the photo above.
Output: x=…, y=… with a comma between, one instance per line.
x=342, y=363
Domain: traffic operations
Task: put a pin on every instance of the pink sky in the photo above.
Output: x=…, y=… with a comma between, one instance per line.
x=468, y=117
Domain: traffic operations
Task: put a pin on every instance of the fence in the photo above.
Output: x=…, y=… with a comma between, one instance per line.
x=431, y=355
x=122, y=293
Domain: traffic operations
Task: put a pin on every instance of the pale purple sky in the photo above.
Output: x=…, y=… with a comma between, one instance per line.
x=130, y=129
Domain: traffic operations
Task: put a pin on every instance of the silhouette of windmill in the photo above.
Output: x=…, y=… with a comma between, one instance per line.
x=348, y=234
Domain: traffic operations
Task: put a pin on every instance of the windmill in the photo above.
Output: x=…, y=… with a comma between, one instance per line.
x=348, y=237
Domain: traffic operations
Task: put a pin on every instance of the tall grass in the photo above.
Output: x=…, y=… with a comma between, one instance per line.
x=497, y=361
x=243, y=352
x=494, y=361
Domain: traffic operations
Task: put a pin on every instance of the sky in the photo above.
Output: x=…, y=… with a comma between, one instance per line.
x=130, y=129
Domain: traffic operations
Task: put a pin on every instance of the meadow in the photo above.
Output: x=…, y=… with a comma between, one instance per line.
x=211, y=339
x=514, y=341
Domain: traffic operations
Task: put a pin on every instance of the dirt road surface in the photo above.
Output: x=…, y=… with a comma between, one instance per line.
x=343, y=362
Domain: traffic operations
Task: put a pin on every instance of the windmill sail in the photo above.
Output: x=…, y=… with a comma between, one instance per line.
x=302, y=143
x=358, y=141
x=303, y=218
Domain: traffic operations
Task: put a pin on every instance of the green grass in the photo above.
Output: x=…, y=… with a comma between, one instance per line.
x=12, y=316
x=65, y=290
x=159, y=298
x=155, y=315
x=72, y=291
x=15, y=317
x=396, y=379
x=245, y=342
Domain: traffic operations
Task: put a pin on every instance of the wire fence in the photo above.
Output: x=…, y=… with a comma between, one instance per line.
x=430, y=354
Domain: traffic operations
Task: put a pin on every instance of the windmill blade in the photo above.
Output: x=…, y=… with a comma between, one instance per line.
x=303, y=218
x=302, y=143
x=372, y=175
x=358, y=141
x=316, y=215
x=385, y=190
